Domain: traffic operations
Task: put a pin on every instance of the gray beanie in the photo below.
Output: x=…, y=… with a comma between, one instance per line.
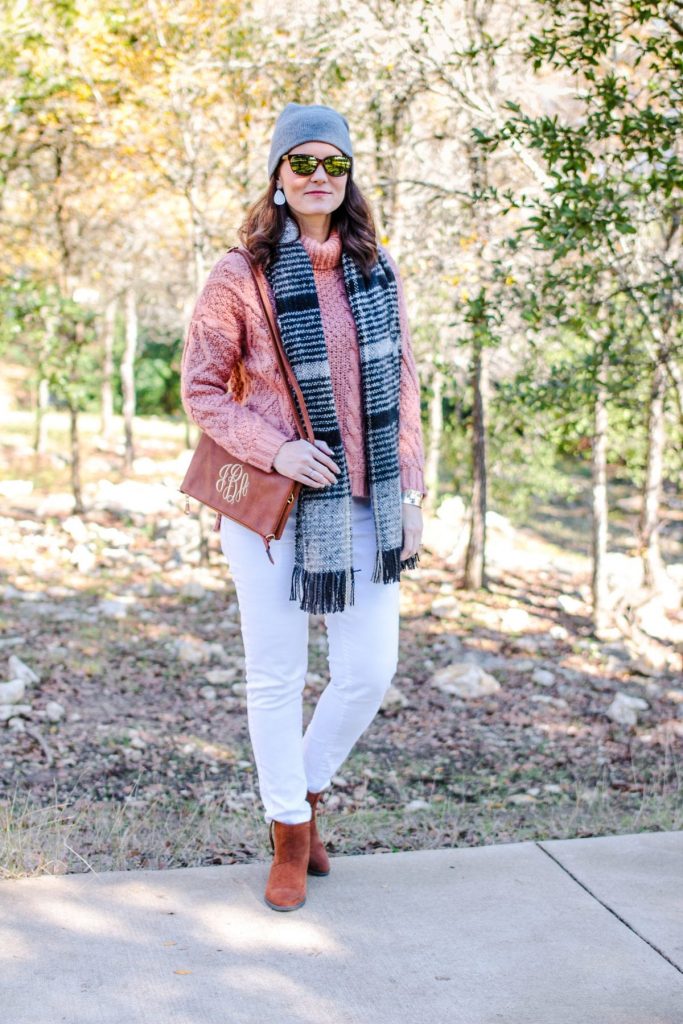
x=299, y=123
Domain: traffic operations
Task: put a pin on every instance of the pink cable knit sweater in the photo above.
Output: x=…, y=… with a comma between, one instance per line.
x=228, y=346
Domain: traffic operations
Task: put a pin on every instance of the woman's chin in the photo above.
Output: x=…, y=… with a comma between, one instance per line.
x=309, y=208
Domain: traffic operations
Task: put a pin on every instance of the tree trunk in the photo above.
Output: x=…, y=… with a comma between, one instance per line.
x=667, y=354
x=43, y=387
x=475, y=560
x=128, y=374
x=653, y=569
x=75, y=460
x=434, y=445
x=39, y=425
x=107, y=412
x=599, y=523
x=198, y=235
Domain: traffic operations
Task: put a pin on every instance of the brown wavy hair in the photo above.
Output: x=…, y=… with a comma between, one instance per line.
x=265, y=222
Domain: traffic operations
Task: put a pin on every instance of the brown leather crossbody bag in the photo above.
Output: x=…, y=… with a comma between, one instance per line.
x=259, y=500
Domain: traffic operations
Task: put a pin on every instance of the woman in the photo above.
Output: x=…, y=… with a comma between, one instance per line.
x=357, y=521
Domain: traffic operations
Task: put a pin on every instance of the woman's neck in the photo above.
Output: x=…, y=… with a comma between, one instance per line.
x=317, y=228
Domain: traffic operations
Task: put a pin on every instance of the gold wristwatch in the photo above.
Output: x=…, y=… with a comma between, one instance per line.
x=412, y=497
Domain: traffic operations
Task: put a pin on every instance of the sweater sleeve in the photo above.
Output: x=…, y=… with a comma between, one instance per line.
x=213, y=346
x=411, y=445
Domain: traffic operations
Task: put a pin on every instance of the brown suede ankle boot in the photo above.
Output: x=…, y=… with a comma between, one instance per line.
x=318, y=861
x=286, y=888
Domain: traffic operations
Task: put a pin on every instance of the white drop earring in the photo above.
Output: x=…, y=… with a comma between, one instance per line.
x=279, y=197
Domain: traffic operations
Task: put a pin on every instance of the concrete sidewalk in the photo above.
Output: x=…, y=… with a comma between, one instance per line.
x=583, y=931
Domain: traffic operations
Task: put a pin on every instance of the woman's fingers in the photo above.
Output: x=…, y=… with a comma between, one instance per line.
x=321, y=473
x=312, y=477
x=320, y=450
x=319, y=443
x=411, y=542
x=412, y=530
x=309, y=464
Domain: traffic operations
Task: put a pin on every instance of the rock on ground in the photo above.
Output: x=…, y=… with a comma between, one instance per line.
x=463, y=679
x=18, y=669
x=12, y=692
x=624, y=708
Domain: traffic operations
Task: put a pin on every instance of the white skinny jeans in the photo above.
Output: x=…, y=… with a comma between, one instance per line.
x=363, y=656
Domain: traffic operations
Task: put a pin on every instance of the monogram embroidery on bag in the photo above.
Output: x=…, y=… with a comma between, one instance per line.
x=232, y=482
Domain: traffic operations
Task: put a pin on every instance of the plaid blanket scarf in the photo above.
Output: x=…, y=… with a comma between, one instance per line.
x=323, y=575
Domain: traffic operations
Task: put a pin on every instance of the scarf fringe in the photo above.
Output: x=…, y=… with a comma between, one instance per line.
x=321, y=592
x=388, y=565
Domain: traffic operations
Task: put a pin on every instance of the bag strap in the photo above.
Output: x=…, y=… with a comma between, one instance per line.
x=305, y=428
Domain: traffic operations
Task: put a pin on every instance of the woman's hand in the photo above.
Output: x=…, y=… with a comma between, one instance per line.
x=308, y=463
x=412, y=529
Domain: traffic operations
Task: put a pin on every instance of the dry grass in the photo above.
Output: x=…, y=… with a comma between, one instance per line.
x=109, y=836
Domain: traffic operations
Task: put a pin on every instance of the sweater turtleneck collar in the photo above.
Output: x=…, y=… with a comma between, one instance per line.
x=324, y=255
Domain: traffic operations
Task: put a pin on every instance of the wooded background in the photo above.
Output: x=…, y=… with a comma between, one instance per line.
x=523, y=161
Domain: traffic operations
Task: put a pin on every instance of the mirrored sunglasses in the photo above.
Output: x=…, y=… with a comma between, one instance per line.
x=305, y=164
